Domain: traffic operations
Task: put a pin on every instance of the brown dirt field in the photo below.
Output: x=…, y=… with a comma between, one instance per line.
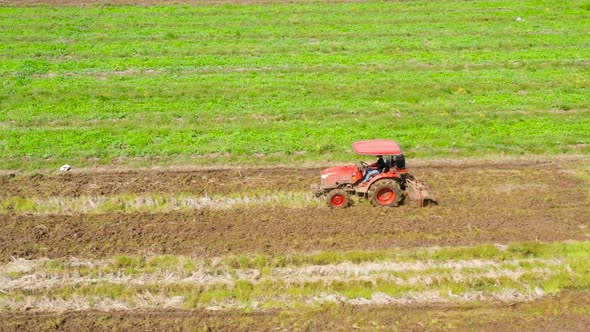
x=567, y=311
x=201, y=180
x=496, y=203
x=197, y=181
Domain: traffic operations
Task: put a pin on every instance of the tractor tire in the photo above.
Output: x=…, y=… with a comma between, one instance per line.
x=386, y=193
x=338, y=199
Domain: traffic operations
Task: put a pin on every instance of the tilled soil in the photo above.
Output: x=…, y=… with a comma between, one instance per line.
x=478, y=204
x=242, y=231
x=499, y=202
x=197, y=181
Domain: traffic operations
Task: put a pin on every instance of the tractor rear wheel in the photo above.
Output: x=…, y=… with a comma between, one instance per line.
x=386, y=193
x=338, y=199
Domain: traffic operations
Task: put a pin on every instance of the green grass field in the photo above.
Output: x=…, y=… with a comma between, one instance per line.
x=291, y=82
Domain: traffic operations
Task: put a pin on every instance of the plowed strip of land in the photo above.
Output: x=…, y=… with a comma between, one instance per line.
x=448, y=176
x=196, y=181
x=479, y=204
x=212, y=233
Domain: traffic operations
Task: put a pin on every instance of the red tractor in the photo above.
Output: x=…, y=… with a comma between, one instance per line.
x=387, y=188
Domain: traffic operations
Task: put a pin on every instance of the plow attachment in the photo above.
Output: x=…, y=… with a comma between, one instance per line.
x=419, y=192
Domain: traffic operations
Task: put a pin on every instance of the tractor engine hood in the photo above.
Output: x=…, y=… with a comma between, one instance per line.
x=334, y=177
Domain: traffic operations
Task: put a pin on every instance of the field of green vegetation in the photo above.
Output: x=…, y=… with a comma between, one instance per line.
x=291, y=82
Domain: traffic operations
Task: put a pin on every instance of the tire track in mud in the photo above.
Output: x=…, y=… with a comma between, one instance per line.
x=480, y=204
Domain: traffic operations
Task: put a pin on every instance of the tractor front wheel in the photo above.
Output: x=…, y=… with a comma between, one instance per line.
x=338, y=199
x=386, y=193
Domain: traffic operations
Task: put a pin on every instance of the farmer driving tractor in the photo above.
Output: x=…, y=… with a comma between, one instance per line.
x=375, y=168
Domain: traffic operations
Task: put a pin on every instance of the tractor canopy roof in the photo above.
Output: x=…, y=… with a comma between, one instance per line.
x=375, y=147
